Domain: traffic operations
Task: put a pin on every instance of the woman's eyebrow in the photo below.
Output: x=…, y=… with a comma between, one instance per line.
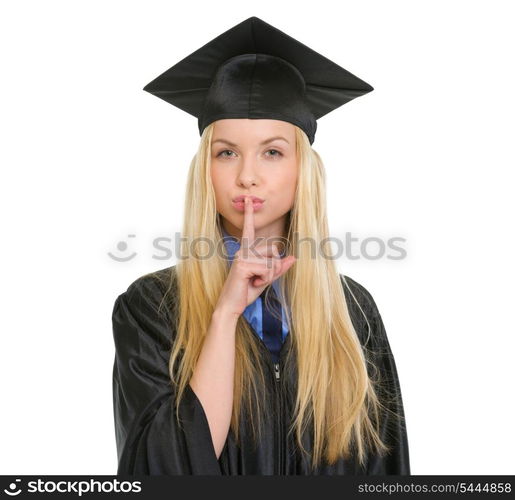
x=271, y=139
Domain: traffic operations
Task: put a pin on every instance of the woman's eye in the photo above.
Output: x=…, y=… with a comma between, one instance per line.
x=221, y=153
x=275, y=150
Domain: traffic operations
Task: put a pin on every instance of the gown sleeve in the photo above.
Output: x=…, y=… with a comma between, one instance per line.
x=148, y=438
x=393, y=431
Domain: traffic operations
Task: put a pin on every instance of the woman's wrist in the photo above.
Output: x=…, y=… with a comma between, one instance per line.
x=225, y=316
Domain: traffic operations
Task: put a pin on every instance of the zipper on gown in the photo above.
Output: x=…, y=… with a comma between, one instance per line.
x=278, y=398
x=280, y=458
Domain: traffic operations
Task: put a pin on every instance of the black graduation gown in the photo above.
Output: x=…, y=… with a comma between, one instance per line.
x=148, y=439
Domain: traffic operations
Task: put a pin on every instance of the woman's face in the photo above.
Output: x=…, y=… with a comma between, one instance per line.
x=254, y=157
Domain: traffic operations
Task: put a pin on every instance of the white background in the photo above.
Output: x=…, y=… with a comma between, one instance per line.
x=88, y=158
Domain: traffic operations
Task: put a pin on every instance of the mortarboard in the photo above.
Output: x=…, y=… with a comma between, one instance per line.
x=254, y=70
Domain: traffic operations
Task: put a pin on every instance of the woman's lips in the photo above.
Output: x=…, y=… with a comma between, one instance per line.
x=240, y=205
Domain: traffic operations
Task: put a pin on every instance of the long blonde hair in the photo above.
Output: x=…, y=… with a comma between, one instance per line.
x=335, y=394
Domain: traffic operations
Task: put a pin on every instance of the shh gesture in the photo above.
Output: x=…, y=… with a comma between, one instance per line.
x=249, y=274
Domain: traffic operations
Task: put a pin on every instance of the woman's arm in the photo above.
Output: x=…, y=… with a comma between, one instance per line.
x=213, y=377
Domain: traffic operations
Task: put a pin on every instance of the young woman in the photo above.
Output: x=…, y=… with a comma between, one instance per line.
x=253, y=355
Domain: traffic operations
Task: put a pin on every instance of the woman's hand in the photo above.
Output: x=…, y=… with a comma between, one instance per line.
x=250, y=275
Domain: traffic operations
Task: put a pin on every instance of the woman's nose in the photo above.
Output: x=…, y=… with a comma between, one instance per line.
x=247, y=173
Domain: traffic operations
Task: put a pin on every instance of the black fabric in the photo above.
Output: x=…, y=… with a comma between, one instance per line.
x=148, y=439
x=253, y=70
x=272, y=325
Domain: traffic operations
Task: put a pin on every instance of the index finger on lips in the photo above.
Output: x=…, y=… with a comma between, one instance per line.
x=247, y=235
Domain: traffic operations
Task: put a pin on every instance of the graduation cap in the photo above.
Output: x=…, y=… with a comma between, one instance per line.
x=254, y=70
